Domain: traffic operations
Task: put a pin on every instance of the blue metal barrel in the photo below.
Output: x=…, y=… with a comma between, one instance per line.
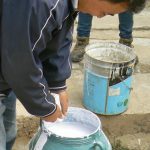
x=108, y=71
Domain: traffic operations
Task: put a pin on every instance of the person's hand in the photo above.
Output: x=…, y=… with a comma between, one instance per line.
x=53, y=117
x=63, y=96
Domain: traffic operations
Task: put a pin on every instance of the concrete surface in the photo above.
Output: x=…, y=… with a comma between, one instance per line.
x=131, y=127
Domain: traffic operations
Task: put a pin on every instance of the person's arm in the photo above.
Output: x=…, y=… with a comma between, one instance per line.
x=21, y=66
x=25, y=76
x=25, y=33
x=57, y=69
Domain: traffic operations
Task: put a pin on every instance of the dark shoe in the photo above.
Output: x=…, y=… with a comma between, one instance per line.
x=79, y=49
x=128, y=42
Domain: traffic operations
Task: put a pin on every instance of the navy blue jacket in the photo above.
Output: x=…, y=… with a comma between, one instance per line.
x=35, y=41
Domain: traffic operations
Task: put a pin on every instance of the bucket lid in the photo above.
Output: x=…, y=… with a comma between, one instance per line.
x=109, y=53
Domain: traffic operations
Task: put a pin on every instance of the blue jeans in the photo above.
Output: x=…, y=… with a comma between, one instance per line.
x=125, y=25
x=8, y=129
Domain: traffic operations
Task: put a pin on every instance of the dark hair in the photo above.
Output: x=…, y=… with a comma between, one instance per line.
x=134, y=5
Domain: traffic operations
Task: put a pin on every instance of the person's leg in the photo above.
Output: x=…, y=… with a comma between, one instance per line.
x=84, y=25
x=83, y=33
x=9, y=117
x=126, y=28
x=2, y=128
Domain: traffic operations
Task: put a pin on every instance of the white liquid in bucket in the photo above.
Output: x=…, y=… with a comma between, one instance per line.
x=71, y=129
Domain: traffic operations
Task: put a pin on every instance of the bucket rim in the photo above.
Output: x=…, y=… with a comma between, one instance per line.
x=107, y=44
x=99, y=128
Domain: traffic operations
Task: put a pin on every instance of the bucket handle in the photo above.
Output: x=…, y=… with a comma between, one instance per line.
x=98, y=146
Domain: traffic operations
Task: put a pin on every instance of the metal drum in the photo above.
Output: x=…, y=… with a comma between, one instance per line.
x=108, y=69
x=79, y=130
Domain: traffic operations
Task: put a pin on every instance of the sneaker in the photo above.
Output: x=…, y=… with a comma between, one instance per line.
x=79, y=50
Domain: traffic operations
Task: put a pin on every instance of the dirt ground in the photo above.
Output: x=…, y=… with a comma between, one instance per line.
x=27, y=127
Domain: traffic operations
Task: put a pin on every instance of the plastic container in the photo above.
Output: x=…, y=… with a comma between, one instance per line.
x=79, y=130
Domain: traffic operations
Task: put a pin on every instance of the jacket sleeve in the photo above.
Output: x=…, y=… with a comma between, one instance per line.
x=21, y=66
x=25, y=76
x=58, y=68
x=56, y=57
